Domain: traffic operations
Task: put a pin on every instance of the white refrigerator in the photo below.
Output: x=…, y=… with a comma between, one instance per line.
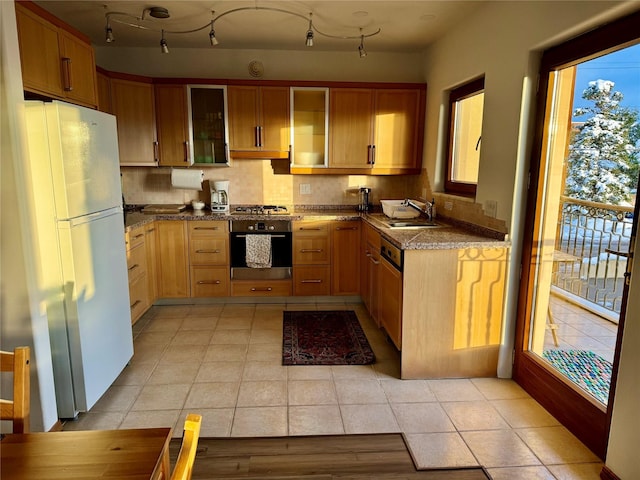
x=74, y=178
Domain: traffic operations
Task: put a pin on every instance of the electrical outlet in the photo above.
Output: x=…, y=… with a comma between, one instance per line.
x=448, y=205
x=491, y=208
x=305, y=189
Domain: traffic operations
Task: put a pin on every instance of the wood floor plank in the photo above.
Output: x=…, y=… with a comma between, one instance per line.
x=324, y=457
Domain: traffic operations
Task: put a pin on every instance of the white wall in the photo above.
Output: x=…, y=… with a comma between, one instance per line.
x=278, y=65
x=22, y=320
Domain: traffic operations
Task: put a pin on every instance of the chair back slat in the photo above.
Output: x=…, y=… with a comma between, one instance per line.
x=17, y=409
x=187, y=454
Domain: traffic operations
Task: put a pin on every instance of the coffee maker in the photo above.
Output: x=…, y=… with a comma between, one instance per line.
x=365, y=196
x=219, y=196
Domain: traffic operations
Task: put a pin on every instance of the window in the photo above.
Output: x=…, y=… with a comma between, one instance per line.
x=466, y=104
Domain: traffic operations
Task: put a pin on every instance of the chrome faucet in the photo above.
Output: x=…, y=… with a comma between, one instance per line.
x=428, y=207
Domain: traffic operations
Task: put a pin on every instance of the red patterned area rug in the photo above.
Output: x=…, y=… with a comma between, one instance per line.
x=324, y=338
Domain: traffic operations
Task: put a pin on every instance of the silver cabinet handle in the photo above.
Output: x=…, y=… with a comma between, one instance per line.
x=311, y=250
x=255, y=289
x=346, y=228
x=138, y=236
x=208, y=282
x=155, y=152
x=373, y=154
x=133, y=267
x=311, y=281
x=186, y=151
x=135, y=304
x=206, y=228
x=310, y=228
x=207, y=251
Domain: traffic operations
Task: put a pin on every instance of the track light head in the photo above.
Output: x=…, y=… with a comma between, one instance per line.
x=361, y=51
x=309, y=41
x=163, y=44
x=108, y=33
x=212, y=36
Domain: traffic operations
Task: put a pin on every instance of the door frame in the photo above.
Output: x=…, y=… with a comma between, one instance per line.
x=585, y=418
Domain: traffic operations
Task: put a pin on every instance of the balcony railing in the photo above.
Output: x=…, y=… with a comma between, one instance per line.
x=593, y=243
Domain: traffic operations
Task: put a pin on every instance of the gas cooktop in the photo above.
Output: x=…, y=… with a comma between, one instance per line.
x=261, y=210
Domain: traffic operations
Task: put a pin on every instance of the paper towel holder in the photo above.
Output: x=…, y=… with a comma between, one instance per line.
x=187, y=179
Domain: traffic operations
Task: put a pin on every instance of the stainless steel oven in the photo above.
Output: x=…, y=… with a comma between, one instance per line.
x=281, y=249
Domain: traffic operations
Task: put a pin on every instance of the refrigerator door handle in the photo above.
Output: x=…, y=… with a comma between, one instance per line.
x=93, y=216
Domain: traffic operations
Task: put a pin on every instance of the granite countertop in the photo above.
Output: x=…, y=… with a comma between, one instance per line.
x=448, y=235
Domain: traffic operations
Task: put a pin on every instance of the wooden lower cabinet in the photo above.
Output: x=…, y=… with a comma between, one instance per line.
x=311, y=280
x=209, y=258
x=345, y=257
x=261, y=288
x=152, y=260
x=311, y=258
x=207, y=281
x=173, y=266
x=369, y=270
x=390, y=301
x=137, y=272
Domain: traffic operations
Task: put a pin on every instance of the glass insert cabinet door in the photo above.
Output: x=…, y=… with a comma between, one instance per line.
x=309, y=126
x=208, y=125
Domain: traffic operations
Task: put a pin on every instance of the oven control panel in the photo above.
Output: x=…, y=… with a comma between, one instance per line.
x=267, y=226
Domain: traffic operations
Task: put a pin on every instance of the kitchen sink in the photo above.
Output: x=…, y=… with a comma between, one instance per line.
x=413, y=225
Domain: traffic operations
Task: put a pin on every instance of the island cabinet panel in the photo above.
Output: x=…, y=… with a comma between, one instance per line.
x=173, y=259
x=452, y=312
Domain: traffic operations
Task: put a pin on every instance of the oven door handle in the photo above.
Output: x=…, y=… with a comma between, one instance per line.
x=272, y=236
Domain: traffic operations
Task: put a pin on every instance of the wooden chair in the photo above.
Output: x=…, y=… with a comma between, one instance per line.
x=17, y=409
x=187, y=454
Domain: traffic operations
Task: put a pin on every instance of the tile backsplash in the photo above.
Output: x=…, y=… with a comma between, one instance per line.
x=254, y=182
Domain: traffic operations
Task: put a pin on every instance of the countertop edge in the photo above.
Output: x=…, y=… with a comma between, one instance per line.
x=451, y=235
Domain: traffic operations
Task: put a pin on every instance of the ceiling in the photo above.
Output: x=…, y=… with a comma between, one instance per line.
x=405, y=26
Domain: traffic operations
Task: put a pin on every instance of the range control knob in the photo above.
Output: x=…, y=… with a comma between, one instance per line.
x=250, y=227
x=271, y=227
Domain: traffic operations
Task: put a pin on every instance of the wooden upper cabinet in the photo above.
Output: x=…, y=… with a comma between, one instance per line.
x=376, y=129
x=133, y=106
x=258, y=121
x=350, y=128
x=78, y=69
x=171, y=124
x=103, y=83
x=55, y=62
x=396, y=129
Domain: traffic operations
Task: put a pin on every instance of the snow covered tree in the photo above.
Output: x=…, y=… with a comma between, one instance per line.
x=603, y=162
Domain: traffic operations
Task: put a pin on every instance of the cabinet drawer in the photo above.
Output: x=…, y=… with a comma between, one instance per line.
x=208, y=227
x=209, y=282
x=261, y=288
x=311, y=250
x=134, y=237
x=136, y=262
x=318, y=228
x=311, y=281
x=138, y=297
x=208, y=250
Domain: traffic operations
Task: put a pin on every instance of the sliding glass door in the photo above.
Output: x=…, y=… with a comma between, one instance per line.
x=581, y=218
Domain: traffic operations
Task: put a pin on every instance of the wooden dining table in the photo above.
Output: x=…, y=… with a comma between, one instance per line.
x=134, y=454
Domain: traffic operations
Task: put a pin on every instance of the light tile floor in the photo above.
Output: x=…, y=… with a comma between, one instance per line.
x=224, y=362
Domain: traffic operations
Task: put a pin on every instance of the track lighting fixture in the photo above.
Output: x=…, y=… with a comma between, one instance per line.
x=212, y=36
x=109, y=34
x=309, y=41
x=162, y=13
x=361, y=51
x=163, y=44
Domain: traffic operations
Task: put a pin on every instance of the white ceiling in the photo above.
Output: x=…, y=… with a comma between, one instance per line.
x=406, y=26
